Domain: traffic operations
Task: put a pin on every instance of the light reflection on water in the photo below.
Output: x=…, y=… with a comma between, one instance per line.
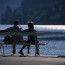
x=38, y=27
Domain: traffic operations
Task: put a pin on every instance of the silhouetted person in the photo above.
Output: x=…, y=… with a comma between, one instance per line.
x=31, y=39
x=16, y=38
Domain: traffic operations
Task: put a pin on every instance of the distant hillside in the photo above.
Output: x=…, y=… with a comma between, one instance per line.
x=41, y=12
x=13, y=4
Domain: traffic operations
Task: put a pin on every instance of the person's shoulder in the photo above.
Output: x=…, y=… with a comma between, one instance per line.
x=8, y=28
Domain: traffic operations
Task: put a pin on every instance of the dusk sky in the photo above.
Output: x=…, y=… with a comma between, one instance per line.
x=11, y=3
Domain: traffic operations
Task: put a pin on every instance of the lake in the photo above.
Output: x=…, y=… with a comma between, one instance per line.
x=54, y=35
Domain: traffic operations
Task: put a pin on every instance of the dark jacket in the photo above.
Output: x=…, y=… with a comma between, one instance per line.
x=31, y=38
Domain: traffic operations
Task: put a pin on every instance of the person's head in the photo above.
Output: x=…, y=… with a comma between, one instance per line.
x=30, y=25
x=15, y=22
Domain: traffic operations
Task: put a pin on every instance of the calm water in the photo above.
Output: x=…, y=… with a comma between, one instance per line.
x=54, y=35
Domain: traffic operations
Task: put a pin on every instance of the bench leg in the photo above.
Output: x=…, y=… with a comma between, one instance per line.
x=28, y=49
x=14, y=50
x=3, y=50
x=37, y=49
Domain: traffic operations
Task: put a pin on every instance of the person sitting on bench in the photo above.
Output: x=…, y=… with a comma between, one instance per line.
x=16, y=38
x=31, y=39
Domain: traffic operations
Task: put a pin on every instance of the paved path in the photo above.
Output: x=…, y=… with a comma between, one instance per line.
x=31, y=60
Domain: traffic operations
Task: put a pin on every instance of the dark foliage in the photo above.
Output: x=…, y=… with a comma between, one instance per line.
x=42, y=12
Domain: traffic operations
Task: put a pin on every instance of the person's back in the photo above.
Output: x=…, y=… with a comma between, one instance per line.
x=15, y=28
x=16, y=38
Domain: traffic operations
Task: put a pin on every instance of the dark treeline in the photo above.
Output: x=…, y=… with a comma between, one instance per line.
x=41, y=12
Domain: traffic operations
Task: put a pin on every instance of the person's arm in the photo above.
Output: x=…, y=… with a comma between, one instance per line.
x=24, y=30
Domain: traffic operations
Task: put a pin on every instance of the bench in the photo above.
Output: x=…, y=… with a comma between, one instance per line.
x=24, y=34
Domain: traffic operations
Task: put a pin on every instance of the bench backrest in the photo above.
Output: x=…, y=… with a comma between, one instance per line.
x=23, y=33
x=15, y=34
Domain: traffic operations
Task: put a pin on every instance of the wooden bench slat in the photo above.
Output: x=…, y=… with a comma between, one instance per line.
x=23, y=33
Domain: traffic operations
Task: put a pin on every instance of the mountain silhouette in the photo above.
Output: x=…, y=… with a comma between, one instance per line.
x=41, y=12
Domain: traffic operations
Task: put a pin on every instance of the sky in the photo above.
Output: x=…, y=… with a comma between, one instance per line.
x=11, y=3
